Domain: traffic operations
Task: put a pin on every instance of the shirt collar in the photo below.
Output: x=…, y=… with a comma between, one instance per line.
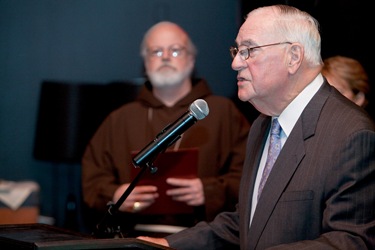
x=293, y=111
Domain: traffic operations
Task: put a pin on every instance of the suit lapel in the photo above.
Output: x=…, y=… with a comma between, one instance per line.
x=286, y=164
x=257, y=139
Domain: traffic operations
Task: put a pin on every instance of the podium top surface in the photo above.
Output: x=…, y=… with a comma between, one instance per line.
x=46, y=237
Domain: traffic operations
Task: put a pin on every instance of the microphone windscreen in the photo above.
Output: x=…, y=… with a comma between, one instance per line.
x=199, y=109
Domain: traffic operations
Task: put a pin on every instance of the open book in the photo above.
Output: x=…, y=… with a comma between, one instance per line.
x=180, y=163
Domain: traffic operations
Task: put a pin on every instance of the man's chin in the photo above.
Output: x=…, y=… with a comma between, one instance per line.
x=164, y=82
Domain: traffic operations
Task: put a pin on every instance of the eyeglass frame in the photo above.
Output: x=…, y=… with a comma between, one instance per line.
x=173, y=51
x=250, y=50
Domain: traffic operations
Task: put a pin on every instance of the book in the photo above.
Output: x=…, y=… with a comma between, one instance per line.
x=182, y=163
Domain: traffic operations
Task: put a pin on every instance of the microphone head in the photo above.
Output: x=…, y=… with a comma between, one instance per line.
x=199, y=109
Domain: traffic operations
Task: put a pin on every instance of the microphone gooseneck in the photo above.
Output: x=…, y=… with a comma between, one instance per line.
x=171, y=133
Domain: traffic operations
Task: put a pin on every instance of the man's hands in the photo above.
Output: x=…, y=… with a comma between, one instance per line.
x=140, y=198
x=189, y=191
x=160, y=241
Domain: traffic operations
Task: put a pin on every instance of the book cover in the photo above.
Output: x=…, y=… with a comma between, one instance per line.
x=182, y=163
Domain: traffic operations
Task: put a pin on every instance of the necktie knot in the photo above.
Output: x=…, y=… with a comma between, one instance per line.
x=276, y=128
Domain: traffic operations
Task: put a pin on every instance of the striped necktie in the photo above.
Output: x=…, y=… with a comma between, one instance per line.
x=273, y=151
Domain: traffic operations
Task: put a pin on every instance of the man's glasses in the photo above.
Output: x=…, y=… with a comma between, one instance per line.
x=172, y=51
x=247, y=52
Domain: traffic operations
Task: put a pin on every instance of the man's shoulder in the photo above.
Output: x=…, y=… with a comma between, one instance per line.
x=341, y=109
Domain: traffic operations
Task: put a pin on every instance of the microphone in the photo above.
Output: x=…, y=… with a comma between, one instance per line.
x=172, y=132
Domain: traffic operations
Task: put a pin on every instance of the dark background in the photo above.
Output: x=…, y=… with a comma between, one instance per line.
x=82, y=43
x=345, y=28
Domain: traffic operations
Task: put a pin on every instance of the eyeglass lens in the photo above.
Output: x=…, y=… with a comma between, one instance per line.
x=173, y=51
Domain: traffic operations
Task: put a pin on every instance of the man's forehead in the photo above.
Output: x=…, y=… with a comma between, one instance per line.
x=167, y=37
x=247, y=35
x=167, y=32
x=253, y=30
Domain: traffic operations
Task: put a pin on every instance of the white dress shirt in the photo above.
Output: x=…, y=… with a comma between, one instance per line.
x=287, y=120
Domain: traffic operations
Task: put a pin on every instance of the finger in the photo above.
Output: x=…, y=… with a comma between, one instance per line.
x=160, y=241
x=180, y=182
x=145, y=189
x=189, y=200
x=135, y=205
x=179, y=191
x=143, y=193
x=144, y=197
x=139, y=206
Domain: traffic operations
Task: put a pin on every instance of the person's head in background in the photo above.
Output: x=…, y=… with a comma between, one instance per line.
x=169, y=59
x=349, y=77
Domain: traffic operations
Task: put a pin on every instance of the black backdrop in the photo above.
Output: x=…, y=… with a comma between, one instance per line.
x=345, y=27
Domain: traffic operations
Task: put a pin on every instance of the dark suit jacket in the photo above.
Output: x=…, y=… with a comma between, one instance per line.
x=320, y=193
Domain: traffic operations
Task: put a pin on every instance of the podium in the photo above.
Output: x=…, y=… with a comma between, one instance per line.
x=46, y=237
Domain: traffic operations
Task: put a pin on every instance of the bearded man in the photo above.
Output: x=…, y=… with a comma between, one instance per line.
x=169, y=59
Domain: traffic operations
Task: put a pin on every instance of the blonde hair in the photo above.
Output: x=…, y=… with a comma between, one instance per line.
x=350, y=71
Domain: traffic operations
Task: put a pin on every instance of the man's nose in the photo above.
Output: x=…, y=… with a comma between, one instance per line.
x=238, y=63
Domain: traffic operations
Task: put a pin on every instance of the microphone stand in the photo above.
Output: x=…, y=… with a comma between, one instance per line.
x=105, y=228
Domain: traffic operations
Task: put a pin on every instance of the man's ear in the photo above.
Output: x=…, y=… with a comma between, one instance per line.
x=295, y=57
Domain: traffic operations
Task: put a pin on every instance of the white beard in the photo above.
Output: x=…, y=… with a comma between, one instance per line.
x=169, y=77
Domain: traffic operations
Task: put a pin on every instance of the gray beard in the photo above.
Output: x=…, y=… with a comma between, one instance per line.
x=169, y=79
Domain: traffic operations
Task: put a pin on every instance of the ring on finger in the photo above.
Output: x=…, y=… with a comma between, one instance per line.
x=136, y=206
